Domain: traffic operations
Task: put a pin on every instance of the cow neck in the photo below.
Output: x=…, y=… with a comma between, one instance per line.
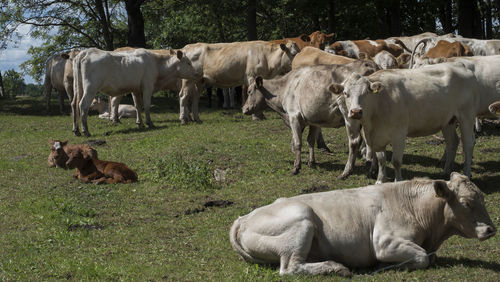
x=87, y=168
x=427, y=211
x=273, y=100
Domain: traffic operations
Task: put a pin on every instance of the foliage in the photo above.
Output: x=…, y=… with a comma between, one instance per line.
x=13, y=83
x=33, y=90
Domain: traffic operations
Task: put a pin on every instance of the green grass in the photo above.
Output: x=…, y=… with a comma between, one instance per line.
x=54, y=227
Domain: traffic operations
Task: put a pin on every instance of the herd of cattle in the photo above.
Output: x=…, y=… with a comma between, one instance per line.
x=382, y=91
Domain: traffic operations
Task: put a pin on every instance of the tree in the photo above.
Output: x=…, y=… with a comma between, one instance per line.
x=2, y=91
x=469, y=20
x=252, y=20
x=136, y=36
x=13, y=83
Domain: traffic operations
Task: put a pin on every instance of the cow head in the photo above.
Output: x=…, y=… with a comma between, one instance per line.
x=57, y=156
x=79, y=156
x=290, y=49
x=465, y=210
x=357, y=91
x=255, y=101
x=184, y=67
x=320, y=39
x=99, y=105
x=403, y=60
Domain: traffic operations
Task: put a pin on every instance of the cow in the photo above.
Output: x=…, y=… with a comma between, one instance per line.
x=313, y=56
x=88, y=168
x=487, y=73
x=411, y=41
x=116, y=73
x=302, y=99
x=353, y=48
x=232, y=64
x=477, y=47
x=390, y=103
x=442, y=49
x=330, y=232
x=59, y=76
x=316, y=39
x=124, y=111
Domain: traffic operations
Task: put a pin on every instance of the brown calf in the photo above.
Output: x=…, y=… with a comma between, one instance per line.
x=89, y=169
x=316, y=39
x=59, y=151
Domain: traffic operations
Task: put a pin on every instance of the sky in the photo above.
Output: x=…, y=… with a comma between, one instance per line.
x=16, y=54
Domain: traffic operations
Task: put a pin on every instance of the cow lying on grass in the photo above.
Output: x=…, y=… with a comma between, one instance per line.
x=124, y=110
x=328, y=232
x=59, y=152
x=91, y=169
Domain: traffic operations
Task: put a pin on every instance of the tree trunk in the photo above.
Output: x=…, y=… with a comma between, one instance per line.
x=2, y=91
x=252, y=20
x=331, y=16
x=394, y=17
x=445, y=16
x=488, y=19
x=469, y=20
x=136, y=36
x=105, y=24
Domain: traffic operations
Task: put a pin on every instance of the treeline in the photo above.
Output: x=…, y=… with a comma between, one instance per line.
x=109, y=24
x=12, y=84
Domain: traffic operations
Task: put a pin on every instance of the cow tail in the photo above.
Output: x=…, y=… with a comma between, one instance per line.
x=77, y=83
x=235, y=242
x=415, y=48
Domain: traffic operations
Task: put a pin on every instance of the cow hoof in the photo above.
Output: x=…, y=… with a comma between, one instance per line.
x=295, y=171
x=311, y=164
x=343, y=176
x=87, y=134
x=199, y=122
x=344, y=272
x=77, y=133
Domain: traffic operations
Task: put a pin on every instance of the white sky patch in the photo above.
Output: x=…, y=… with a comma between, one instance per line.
x=16, y=54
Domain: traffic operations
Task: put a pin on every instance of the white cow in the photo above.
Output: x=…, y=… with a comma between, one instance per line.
x=117, y=73
x=124, y=110
x=323, y=233
x=394, y=104
x=232, y=64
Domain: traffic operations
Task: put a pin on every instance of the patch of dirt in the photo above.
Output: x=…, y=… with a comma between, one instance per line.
x=96, y=142
x=207, y=204
x=18, y=158
x=314, y=189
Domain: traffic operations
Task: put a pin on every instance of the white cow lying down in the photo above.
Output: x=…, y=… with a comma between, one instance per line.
x=327, y=232
x=124, y=110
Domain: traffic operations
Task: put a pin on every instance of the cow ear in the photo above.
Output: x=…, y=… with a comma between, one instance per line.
x=65, y=56
x=64, y=143
x=89, y=153
x=259, y=82
x=305, y=38
x=330, y=36
x=376, y=87
x=51, y=141
x=442, y=190
x=283, y=46
x=336, y=88
x=179, y=54
x=403, y=59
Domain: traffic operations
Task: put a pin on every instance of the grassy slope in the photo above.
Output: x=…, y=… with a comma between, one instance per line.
x=52, y=226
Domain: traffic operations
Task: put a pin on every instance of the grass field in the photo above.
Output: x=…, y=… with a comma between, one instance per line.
x=174, y=223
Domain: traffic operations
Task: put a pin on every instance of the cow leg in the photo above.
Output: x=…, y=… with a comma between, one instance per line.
x=68, y=86
x=195, y=101
x=467, y=136
x=74, y=115
x=146, y=100
x=354, y=136
x=311, y=138
x=183, y=105
x=61, y=102
x=84, y=109
x=451, y=142
x=382, y=174
x=296, y=143
x=478, y=125
x=321, y=144
x=398, y=147
x=115, y=103
x=393, y=249
x=138, y=108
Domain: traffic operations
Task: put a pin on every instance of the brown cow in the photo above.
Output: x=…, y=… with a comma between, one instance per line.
x=90, y=169
x=353, y=48
x=316, y=39
x=446, y=49
x=59, y=151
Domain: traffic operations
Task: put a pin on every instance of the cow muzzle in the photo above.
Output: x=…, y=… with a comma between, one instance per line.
x=356, y=113
x=485, y=232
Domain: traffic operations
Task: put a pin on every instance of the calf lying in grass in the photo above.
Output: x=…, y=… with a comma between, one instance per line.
x=91, y=169
x=59, y=152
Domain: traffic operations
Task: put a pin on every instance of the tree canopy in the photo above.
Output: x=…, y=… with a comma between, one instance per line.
x=108, y=24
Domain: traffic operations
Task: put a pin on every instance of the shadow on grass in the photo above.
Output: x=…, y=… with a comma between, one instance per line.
x=471, y=263
x=136, y=129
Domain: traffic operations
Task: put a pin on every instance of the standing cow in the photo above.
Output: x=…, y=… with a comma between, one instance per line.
x=301, y=98
x=329, y=232
x=394, y=104
x=232, y=64
x=59, y=76
x=115, y=73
